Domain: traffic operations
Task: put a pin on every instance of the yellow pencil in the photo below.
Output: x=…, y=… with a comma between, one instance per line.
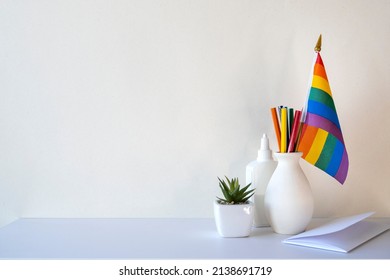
x=283, y=130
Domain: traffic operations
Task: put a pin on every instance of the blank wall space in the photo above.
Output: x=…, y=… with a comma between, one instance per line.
x=133, y=108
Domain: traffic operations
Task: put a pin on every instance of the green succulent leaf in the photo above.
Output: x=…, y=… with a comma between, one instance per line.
x=232, y=192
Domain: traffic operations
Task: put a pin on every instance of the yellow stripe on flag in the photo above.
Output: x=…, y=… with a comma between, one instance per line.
x=321, y=83
x=316, y=148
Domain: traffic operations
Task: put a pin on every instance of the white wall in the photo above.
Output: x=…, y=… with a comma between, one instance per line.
x=133, y=108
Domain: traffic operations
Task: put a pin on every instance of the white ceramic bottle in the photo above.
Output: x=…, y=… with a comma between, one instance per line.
x=259, y=172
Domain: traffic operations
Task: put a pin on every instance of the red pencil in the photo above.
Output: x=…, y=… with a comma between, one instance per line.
x=297, y=120
x=276, y=124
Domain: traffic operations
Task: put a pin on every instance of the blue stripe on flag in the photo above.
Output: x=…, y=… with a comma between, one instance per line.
x=335, y=161
x=323, y=111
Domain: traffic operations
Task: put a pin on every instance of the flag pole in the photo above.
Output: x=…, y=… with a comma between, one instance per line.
x=317, y=49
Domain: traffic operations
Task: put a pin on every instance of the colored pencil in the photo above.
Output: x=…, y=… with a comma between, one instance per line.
x=295, y=130
x=276, y=125
x=283, y=130
x=290, y=121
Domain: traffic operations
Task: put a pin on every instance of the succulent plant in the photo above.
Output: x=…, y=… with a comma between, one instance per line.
x=233, y=192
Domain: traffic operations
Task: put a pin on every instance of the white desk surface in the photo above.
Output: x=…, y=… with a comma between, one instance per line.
x=160, y=239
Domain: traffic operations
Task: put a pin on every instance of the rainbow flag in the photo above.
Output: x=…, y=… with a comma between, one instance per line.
x=321, y=141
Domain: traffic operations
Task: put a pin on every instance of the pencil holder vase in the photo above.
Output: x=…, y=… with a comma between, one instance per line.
x=288, y=199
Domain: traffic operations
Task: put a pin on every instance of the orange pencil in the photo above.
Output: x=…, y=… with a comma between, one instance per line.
x=276, y=125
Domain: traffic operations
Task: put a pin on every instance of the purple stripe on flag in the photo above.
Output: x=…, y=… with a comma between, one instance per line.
x=325, y=124
x=343, y=169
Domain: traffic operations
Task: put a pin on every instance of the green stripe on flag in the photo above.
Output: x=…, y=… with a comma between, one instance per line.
x=327, y=152
x=321, y=97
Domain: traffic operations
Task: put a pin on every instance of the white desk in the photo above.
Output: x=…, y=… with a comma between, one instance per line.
x=160, y=239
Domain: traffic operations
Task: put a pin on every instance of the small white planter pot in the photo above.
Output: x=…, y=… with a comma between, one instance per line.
x=234, y=220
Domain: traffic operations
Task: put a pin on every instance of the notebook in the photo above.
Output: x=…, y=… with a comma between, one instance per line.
x=340, y=235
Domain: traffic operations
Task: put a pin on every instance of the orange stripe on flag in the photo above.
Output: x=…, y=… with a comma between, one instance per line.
x=307, y=139
x=319, y=70
x=317, y=146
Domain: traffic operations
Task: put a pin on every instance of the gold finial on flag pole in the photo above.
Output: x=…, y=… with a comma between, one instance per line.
x=317, y=48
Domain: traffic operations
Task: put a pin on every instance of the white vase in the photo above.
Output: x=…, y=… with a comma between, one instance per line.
x=233, y=220
x=288, y=199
